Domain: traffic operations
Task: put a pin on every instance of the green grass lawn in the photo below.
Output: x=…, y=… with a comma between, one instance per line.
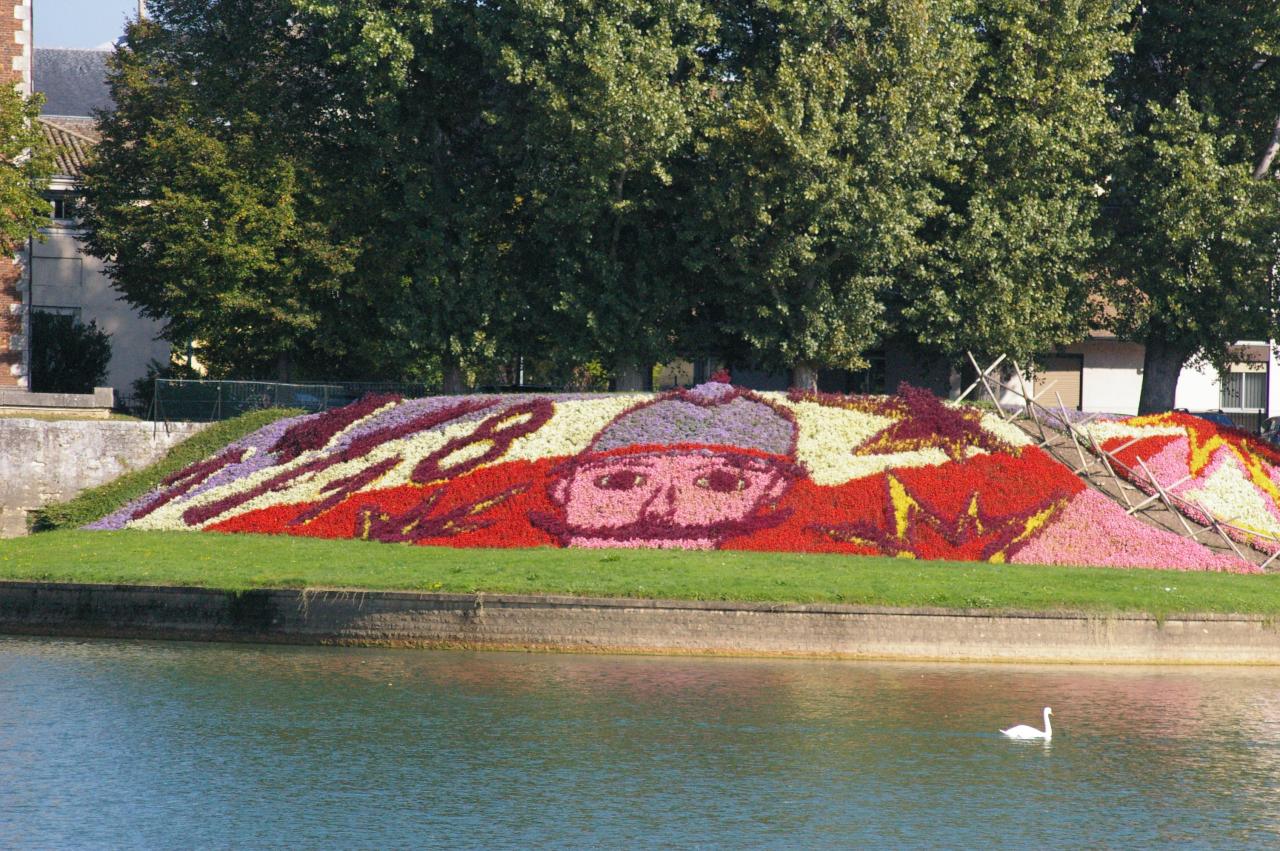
x=238, y=562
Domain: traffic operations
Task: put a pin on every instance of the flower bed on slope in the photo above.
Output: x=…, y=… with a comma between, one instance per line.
x=1212, y=469
x=715, y=467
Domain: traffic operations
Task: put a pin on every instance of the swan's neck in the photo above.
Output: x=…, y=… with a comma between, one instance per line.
x=1048, y=728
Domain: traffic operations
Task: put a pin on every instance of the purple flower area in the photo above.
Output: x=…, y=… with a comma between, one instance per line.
x=713, y=391
x=741, y=422
x=402, y=413
x=1052, y=417
x=260, y=441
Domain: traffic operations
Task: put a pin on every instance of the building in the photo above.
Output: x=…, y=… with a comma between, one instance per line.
x=1102, y=373
x=56, y=274
x=62, y=276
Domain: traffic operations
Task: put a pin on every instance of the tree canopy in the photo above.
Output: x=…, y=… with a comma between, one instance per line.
x=424, y=188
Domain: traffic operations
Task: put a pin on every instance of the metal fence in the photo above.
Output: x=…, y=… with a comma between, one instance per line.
x=206, y=401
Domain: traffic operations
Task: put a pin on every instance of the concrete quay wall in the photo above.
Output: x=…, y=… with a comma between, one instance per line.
x=630, y=626
x=47, y=461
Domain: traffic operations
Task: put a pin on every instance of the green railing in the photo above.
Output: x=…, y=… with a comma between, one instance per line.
x=205, y=401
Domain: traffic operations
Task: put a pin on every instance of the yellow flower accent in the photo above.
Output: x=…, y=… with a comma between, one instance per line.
x=903, y=502
x=1036, y=521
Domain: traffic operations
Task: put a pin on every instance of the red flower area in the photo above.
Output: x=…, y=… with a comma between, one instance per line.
x=969, y=510
x=974, y=509
x=1145, y=449
x=489, y=507
x=1202, y=435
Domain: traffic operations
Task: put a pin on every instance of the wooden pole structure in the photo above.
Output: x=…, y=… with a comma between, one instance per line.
x=981, y=374
x=1165, y=497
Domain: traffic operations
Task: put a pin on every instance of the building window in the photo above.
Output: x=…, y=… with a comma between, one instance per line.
x=73, y=312
x=1244, y=391
x=63, y=207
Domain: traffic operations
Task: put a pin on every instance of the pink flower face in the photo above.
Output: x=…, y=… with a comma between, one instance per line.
x=696, y=498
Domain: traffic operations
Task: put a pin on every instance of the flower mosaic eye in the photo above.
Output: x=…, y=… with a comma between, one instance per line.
x=722, y=481
x=623, y=480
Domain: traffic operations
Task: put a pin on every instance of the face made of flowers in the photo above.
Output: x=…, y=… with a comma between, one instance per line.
x=686, y=499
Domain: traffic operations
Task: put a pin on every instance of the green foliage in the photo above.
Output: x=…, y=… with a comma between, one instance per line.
x=28, y=165
x=614, y=93
x=432, y=166
x=239, y=562
x=422, y=189
x=144, y=389
x=1194, y=250
x=96, y=503
x=831, y=125
x=1015, y=242
x=207, y=216
x=66, y=356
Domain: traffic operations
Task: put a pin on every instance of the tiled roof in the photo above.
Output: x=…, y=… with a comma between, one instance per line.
x=73, y=82
x=72, y=142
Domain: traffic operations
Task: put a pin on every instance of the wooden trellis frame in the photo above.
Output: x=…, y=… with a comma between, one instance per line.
x=1081, y=438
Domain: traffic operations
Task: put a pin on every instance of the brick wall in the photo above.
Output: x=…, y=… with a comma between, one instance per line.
x=15, y=68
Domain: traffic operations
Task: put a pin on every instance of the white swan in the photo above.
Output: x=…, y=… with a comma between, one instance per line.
x=1022, y=731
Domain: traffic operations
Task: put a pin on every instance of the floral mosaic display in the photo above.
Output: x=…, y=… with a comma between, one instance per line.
x=714, y=467
x=1213, y=470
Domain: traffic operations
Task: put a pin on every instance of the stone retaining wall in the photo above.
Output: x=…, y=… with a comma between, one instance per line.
x=46, y=461
x=630, y=626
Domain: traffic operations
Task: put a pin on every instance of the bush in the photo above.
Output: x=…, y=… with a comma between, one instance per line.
x=144, y=389
x=66, y=356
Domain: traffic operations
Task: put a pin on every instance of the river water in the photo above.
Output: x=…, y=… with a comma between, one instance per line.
x=175, y=745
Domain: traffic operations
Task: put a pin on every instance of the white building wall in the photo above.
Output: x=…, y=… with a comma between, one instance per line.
x=64, y=276
x=1112, y=380
x=1198, y=389
x=1273, y=385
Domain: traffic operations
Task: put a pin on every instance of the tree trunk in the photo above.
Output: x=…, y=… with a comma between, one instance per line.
x=629, y=375
x=455, y=383
x=284, y=367
x=804, y=376
x=1269, y=155
x=1161, y=365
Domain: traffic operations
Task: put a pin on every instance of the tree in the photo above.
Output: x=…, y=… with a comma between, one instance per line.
x=615, y=95
x=30, y=165
x=1194, y=203
x=66, y=356
x=833, y=121
x=207, y=216
x=1014, y=242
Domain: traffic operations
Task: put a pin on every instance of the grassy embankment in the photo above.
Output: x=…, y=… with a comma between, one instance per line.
x=98, y=502
x=237, y=562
